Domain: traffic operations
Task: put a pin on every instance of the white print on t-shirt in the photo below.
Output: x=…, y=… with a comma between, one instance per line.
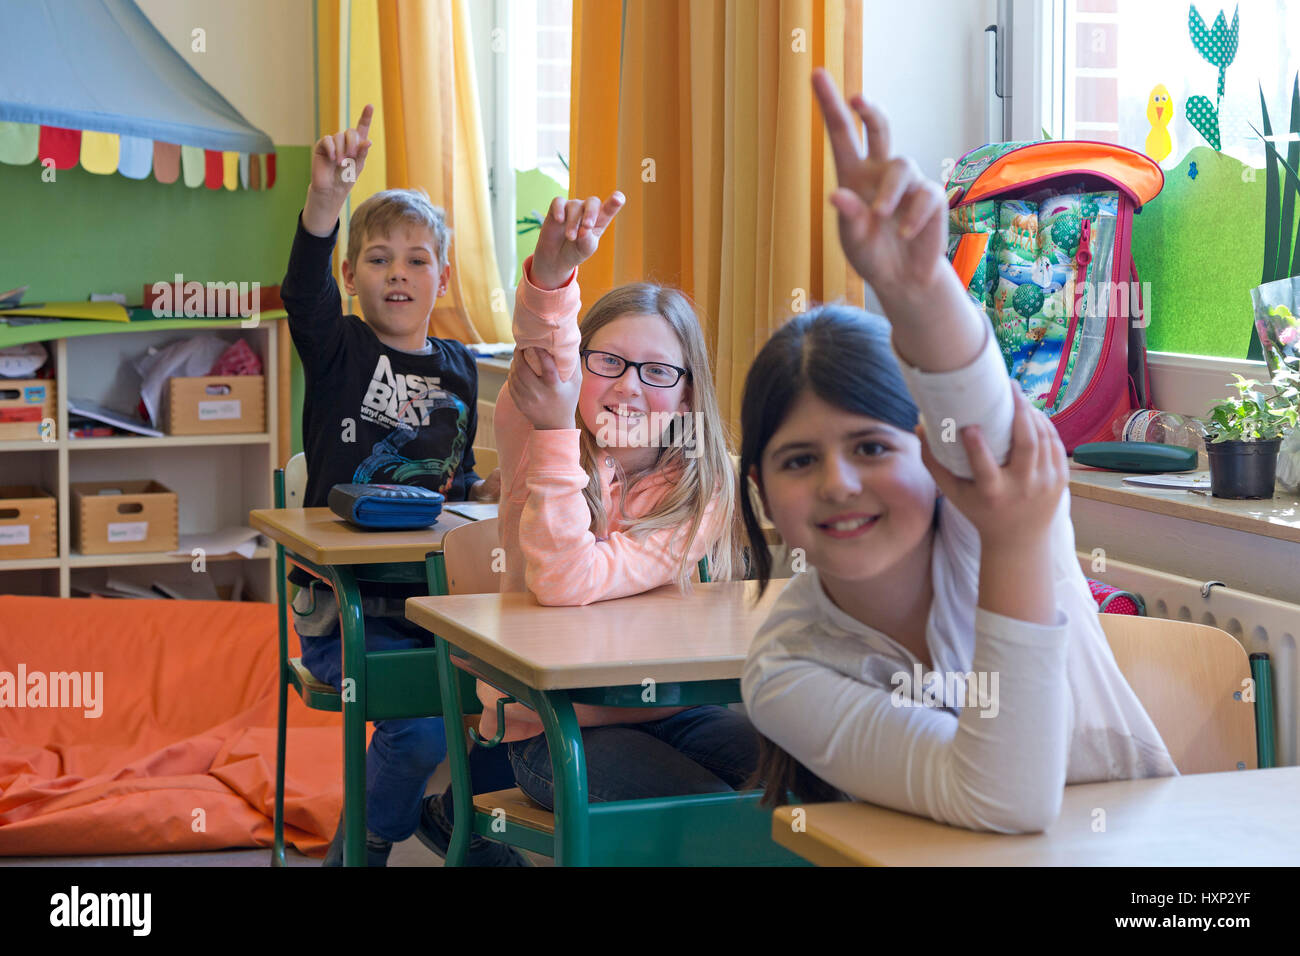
x=395, y=398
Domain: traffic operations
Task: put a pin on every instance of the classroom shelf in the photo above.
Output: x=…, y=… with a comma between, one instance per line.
x=30, y=564
x=33, y=444
x=218, y=478
x=138, y=559
x=170, y=441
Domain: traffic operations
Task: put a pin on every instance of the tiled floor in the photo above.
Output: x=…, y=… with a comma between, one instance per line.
x=407, y=853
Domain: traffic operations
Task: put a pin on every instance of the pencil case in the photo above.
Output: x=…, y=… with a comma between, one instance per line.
x=386, y=507
x=1136, y=456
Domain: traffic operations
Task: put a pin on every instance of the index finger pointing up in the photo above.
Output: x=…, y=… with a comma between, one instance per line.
x=845, y=146
x=363, y=124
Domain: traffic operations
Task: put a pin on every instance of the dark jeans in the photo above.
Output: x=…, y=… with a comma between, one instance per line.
x=403, y=753
x=707, y=749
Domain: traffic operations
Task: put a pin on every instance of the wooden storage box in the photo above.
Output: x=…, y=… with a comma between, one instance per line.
x=24, y=404
x=216, y=405
x=29, y=523
x=123, y=517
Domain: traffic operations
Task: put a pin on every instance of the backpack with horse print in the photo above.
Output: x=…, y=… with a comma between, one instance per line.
x=1040, y=235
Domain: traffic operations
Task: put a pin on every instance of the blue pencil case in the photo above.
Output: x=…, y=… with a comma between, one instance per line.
x=386, y=507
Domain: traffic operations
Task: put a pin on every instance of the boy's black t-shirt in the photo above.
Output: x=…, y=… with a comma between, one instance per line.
x=374, y=414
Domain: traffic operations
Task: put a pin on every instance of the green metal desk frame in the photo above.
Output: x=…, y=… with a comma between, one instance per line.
x=716, y=829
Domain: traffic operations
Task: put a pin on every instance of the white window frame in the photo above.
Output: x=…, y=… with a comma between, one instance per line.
x=1041, y=54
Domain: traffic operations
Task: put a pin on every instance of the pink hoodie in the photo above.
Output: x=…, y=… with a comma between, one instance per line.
x=544, y=518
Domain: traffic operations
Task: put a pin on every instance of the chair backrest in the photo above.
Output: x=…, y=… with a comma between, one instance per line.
x=1185, y=675
x=485, y=435
x=486, y=461
x=467, y=556
x=295, y=481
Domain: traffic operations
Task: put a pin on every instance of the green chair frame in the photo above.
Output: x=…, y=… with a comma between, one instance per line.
x=380, y=685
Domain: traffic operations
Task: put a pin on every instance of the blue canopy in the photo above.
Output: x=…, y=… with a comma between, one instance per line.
x=101, y=65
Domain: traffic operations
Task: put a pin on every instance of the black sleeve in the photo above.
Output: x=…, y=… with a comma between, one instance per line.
x=466, y=477
x=311, y=297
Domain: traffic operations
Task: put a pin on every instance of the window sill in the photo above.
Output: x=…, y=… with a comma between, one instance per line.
x=1278, y=517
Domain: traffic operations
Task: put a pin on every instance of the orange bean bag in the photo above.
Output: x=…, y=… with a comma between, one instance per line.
x=168, y=744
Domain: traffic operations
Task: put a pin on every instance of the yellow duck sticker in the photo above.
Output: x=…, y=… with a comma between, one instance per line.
x=1160, y=110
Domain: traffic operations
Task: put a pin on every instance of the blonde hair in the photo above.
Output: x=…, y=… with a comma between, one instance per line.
x=703, y=479
x=380, y=213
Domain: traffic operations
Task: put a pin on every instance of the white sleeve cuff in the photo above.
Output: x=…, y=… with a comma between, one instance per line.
x=979, y=394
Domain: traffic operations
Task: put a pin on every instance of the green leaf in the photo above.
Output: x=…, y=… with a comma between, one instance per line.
x=1204, y=117
x=1200, y=35
x=1272, y=191
x=1230, y=41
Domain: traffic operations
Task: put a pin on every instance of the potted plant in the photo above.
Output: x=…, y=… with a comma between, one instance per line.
x=1245, y=432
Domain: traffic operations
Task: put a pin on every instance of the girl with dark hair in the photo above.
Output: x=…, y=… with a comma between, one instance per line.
x=941, y=654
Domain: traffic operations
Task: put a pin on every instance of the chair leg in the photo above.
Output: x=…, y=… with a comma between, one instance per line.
x=277, y=853
x=354, y=716
x=282, y=713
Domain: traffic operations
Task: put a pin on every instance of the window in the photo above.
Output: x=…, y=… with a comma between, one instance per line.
x=1146, y=74
x=523, y=53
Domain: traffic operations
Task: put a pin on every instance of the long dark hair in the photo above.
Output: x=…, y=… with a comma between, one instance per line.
x=843, y=356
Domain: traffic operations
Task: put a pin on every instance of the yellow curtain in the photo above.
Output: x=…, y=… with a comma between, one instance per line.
x=414, y=61
x=702, y=112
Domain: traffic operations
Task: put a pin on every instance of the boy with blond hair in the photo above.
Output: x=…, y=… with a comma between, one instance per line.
x=384, y=404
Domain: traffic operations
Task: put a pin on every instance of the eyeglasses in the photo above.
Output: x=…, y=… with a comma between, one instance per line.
x=654, y=374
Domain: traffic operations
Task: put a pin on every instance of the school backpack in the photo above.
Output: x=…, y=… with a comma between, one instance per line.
x=1040, y=235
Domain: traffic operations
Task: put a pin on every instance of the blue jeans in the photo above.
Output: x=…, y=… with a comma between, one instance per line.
x=707, y=749
x=403, y=753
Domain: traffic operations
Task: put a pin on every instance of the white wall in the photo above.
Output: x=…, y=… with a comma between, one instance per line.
x=923, y=62
x=258, y=56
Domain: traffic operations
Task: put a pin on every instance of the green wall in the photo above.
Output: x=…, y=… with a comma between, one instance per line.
x=1200, y=244
x=85, y=233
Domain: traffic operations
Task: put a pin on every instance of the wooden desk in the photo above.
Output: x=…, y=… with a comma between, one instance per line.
x=662, y=634
x=692, y=647
x=1237, y=818
x=322, y=537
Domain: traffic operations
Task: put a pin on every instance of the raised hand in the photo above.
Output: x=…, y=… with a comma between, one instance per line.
x=1012, y=505
x=570, y=235
x=336, y=162
x=542, y=396
x=893, y=221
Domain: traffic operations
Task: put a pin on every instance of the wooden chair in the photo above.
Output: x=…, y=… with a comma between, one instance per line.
x=485, y=460
x=467, y=554
x=1190, y=678
x=485, y=436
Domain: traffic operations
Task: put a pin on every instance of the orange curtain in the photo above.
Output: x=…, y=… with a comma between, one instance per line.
x=702, y=112
x=414, y=61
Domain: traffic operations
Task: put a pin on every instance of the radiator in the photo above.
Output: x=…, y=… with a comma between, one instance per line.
x=1261, y=624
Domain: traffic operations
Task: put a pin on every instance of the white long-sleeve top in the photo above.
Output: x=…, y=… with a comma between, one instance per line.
x=824, y=686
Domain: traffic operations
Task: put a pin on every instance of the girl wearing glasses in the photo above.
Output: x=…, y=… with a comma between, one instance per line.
x=615, y=480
